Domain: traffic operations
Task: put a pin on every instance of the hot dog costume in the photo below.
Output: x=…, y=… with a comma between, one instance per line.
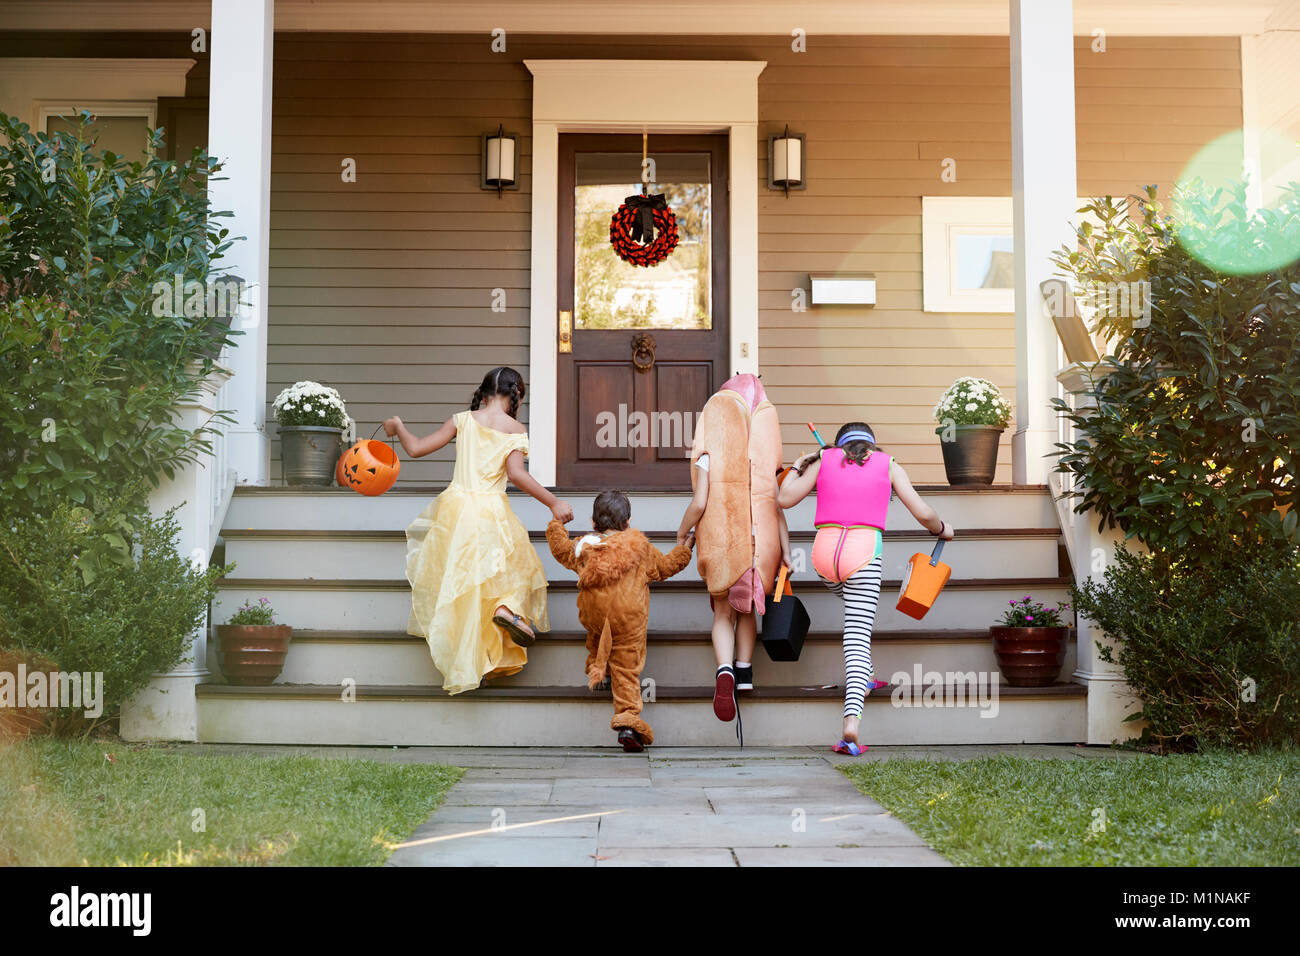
x=738, y=545
x=614, y=575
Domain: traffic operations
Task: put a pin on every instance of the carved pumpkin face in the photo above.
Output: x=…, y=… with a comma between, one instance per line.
x=369, y=467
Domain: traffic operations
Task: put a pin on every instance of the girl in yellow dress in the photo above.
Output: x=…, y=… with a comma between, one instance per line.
x=477, y=586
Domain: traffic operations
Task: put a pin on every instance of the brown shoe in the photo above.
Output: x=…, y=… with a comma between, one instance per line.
x=511, y=624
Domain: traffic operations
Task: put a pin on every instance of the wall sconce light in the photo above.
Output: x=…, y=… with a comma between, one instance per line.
x=500, y=161
x=785, y=161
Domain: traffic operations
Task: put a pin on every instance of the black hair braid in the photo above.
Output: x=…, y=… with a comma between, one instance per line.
x=503, y=381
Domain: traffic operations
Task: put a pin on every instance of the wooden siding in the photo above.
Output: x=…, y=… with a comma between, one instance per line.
x=383, y=287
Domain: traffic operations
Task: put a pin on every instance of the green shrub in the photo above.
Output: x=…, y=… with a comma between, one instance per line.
x=127, y=622
x=95, y=354
x=1193, y=443
x=1213, y=649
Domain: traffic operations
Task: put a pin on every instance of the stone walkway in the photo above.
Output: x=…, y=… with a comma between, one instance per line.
x=684, y=806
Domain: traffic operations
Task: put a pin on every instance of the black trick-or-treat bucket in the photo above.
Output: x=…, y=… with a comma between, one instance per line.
x=785, y=625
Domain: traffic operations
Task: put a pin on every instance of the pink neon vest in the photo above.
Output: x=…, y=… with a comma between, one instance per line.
x=852, y=495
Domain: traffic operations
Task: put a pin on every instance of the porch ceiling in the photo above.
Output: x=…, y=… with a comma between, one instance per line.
x=688, y=17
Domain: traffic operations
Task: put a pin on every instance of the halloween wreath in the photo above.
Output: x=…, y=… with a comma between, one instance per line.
x=644, y=230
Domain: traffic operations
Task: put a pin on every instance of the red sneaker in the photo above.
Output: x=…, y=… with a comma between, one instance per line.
x=724, y=695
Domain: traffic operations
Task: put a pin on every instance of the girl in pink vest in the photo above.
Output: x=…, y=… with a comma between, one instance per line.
x=854, y=482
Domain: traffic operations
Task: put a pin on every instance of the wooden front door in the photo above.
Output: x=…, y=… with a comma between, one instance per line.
x=649, y=345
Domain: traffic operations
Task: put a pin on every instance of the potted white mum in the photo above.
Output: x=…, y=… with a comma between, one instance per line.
x=314, y=424
x=971, y=416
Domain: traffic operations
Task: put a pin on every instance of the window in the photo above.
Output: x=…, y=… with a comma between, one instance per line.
x=968, y=253
x=611, y=294
x=122, y=127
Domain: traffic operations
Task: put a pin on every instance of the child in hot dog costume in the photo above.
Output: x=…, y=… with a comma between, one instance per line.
x=741, y=533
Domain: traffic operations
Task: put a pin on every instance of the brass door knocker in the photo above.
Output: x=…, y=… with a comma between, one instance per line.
x=643, y=351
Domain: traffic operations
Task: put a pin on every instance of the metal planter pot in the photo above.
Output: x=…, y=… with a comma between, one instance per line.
x=1029, y=656
x=253, y=654
x=309, y=453
x=971, y=458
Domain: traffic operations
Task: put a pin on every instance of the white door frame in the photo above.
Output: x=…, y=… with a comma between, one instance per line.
x=608, y=96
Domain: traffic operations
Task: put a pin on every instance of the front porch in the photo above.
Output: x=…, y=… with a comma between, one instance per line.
x=401, y=284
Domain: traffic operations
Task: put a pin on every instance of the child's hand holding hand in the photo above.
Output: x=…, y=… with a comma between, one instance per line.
x=685, y=534
x=562, y=511
x=391, y=425
x=690, y=540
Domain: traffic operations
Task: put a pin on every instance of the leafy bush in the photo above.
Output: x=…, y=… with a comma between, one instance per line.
x=248, y=614
x=128, y=624
x=96, y=351
x=1193, y=442
x=1212, y=649
x=973, y=401
x=1030, y=613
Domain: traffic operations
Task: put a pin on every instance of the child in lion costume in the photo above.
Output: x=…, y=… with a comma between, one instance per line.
x=615, y=566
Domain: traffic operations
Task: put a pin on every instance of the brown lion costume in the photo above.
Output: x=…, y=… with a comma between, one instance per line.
x=614, y=576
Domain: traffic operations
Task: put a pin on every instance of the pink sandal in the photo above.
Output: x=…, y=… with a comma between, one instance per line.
x=849, y=748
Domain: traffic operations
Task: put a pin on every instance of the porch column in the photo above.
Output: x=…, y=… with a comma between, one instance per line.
x=1044, y=196
x=166, y=708
x=239, y=135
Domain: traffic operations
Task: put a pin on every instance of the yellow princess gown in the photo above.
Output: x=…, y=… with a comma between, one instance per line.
x=466, y=554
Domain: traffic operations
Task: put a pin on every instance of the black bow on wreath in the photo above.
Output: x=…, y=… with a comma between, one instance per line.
x=643, y=221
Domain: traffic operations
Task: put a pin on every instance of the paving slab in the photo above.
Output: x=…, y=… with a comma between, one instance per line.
x=666, y=856
x=756, y=829
x=838, y=856
x=499, y=793
x=576, y=793
x=825, y=799
x=548, y=851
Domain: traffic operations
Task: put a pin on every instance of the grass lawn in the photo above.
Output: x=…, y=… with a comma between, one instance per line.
x=1217, y=809
x=66, y=803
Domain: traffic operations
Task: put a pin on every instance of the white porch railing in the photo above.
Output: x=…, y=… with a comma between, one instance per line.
x=1071, y=380
x=222, y=483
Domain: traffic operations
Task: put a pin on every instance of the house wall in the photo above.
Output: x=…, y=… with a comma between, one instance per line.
x=384, y=287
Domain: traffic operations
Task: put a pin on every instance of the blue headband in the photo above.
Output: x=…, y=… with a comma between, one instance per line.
x=856, y=435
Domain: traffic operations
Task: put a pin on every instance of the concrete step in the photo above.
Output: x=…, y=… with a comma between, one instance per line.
x=390, y=658
x=681, y=716
x=979, y=552
x=1000, y=506
x=676, y=605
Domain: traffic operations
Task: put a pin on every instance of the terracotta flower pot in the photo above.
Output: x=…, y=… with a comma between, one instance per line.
x=16, y=723
x=971, y=458
x=1029, y=656
x=253, y=654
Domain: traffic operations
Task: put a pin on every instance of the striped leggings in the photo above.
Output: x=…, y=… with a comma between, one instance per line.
x=861, y=594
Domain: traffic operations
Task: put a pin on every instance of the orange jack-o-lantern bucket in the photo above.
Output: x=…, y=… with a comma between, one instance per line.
x=338, y=470
x=925, y=578
x=369, y=467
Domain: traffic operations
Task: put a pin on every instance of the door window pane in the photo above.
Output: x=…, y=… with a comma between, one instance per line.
x=609, y=293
